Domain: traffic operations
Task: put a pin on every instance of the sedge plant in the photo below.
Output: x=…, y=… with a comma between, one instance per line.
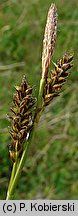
x=27, y=109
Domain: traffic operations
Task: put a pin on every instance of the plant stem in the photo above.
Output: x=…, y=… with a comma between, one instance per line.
x=41, y=89
x=13, y=174
x=15, y=177
x=39, y=103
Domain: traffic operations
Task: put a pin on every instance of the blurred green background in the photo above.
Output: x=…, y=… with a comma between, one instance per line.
x=51, y=171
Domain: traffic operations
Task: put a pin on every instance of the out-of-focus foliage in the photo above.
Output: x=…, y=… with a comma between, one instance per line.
x=51, y=171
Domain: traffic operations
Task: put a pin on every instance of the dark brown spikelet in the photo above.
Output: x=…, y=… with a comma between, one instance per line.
x=57, y=78
x=22, y=118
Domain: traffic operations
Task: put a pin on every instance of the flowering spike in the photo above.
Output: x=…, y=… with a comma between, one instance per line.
x=58, y=77
x=22, y=119
x=49, y=40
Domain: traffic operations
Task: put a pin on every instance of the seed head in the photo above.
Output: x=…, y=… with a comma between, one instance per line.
x=22, y=118
x=57, y=78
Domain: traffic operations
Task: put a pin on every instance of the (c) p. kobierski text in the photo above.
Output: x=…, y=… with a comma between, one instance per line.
x=55, y=207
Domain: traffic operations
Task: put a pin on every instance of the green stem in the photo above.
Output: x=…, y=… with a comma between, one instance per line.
x=17, y=175
x=14, y=180
x=13, y=174
x=41, y=89
x=39, y=103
